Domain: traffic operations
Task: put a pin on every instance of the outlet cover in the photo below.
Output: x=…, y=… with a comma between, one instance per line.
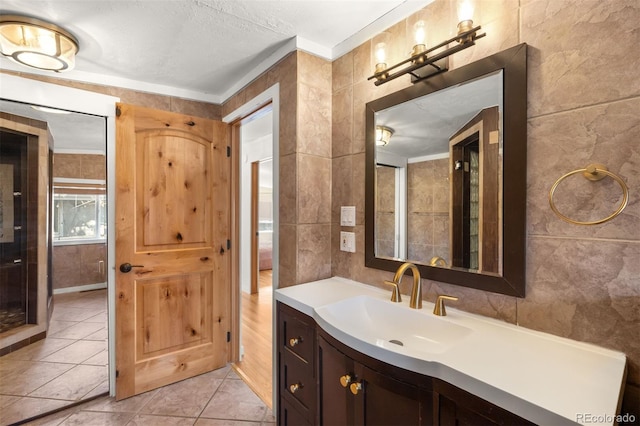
x=348, y=242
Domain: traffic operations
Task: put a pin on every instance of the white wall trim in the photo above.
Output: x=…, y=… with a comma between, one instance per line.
x=79, y=242
x=78, y=151
x=79, y=180
x=271, y=94
x=78, y=288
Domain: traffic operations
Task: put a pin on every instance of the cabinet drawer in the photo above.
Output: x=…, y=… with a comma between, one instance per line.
x=297, y=379
x=297, y=336
x=289, y=416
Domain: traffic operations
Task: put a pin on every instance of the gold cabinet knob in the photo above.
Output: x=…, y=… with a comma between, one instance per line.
x=294, y=341
x=355, y=387
x=295, y=387
x=345, y=380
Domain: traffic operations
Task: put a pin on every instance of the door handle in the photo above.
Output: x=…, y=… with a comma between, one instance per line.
x=126, y=267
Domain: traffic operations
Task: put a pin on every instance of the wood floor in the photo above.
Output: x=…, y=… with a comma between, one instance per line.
x=256, y=364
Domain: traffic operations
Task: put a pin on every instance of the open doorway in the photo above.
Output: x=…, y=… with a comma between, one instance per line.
x=255, y=363
x=261, y=225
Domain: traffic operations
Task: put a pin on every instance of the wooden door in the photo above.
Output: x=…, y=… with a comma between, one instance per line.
x=172, y=228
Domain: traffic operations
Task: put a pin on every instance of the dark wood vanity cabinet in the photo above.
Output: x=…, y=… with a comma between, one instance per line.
x=297, y=379
x=352, y=394
x=322, y=381
x=456, y=407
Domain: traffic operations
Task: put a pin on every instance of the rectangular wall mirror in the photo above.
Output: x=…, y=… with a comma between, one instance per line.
x=446, y=176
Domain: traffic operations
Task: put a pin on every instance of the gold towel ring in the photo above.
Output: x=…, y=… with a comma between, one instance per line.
x=593, y=172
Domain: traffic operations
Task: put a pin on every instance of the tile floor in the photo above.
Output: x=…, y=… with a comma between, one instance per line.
x=71, y=365
x=218, y=398
x=68, y=366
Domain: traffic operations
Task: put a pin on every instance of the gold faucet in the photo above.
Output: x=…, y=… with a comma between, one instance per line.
x=439, y=308
x=416, y=291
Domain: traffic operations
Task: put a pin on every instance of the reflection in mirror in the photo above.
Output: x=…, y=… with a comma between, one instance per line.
x=447, y=191
x=74, y=278
x=448, y=147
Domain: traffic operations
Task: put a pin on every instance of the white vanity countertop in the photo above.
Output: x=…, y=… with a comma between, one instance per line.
x=543, y=378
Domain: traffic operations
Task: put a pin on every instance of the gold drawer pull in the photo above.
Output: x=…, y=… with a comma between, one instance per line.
x=355, y=388
x=295, y=341
x=345, y=380
x=295, y=387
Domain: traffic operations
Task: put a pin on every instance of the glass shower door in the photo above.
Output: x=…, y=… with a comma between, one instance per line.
x=15, y=307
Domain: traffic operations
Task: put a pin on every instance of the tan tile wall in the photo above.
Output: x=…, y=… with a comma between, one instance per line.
x=305, y=163
x=385, y=211
x=80, y=166
x=428, y=210
x=583, y=106
x=77, y=265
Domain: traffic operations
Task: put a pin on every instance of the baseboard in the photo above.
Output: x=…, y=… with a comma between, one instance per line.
x=78, y=288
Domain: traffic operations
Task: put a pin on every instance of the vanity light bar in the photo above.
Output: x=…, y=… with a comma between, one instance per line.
x=420, y=60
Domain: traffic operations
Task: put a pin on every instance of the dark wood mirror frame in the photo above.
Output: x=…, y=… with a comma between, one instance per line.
x=513, y=62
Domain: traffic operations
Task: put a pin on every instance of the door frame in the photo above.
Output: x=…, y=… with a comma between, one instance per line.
x=35, y=92
x=255, y=239
x=271, y=95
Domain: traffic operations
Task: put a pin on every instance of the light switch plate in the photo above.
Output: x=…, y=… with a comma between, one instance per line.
x=348, y=216
x=348, y=242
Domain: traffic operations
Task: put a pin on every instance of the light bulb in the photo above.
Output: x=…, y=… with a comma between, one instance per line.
x=420, y=32
x=380, y=43
x=47, y=42
x=465, y=11
x=380, y=53
x=465, y=21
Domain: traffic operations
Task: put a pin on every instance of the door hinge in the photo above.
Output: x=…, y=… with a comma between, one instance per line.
x=228, y=336
x=228, y=151
x=117, y=373
x=118, y=111
x=228, y=244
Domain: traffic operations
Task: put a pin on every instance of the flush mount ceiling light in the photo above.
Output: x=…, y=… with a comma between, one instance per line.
x=383, y=135
x=37, y=44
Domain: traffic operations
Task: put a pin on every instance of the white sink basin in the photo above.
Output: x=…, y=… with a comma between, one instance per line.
x=505, y=364
x=393, y=325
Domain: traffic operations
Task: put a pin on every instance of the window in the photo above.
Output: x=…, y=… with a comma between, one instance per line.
x=79, y=212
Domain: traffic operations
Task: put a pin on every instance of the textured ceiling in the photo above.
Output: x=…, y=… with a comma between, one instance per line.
x=196, y=49
x=204, y=49
x=422, y=126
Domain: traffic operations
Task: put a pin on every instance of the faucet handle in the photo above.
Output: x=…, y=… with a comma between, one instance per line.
x=395, y=291
x=439, y=308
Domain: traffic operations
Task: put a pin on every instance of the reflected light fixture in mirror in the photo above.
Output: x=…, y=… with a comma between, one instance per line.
x=383, y=135
x=424, y=61
x=37, y=44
